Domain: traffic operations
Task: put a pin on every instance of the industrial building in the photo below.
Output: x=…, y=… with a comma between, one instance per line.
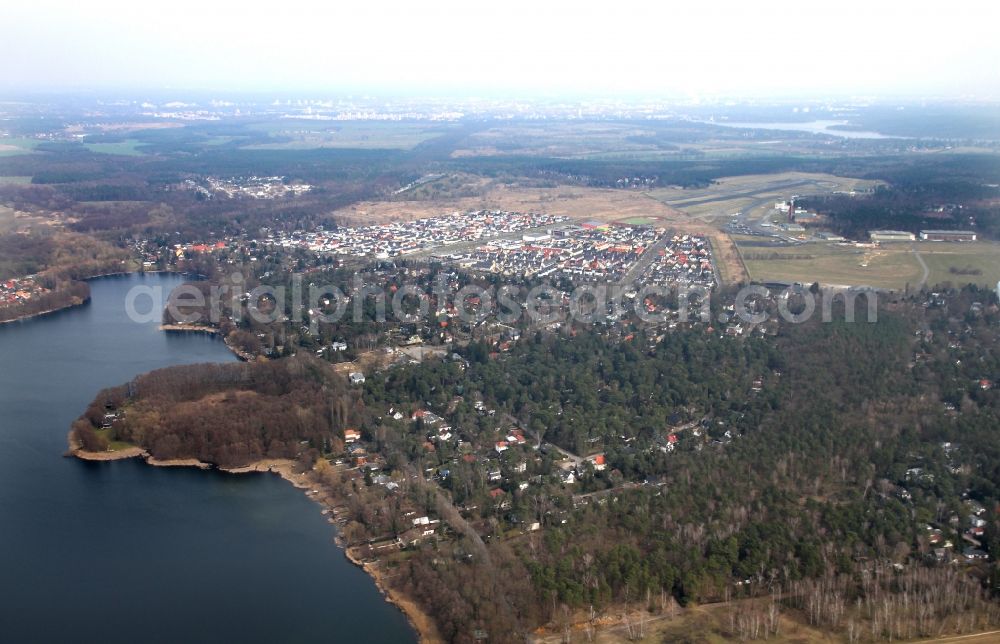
x=831, y=237
x=891, y=236
x=948, y=235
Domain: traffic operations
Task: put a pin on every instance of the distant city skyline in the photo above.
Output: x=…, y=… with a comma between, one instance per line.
x=684, y=50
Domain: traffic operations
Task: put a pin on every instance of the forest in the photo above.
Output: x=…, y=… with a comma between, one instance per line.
x=57, y=262
x=960, y=193
x=839, y=470
x=229, y=415
x=827, y=471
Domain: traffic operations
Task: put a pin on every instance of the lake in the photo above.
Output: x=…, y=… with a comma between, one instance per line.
x=125, y=552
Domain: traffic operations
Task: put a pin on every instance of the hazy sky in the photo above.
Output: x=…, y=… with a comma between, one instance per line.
x=668, y=47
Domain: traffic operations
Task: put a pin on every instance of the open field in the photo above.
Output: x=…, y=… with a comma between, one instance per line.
x=135, y=126
x=566, y=139
x=123, y=148
x=966, y=259
x=572, y=201
x=638, y=221
x=891, y=266
x=13, y=145
x=705, y=624
x=621, y=141
x=730, y=195
x=128, y=147
x=308, y=135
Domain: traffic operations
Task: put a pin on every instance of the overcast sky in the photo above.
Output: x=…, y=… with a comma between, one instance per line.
x=686, y=47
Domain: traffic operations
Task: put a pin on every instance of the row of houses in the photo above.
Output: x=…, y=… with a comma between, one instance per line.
x=580, y=253
x=252, y=187
x=16, y=291
x=685, y=259
x=401, y=238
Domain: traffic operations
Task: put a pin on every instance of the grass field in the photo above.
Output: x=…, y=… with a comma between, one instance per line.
x=581, y=139
x=965, y=259
x=890, y=266
x=128, y=147
x=638, y=221
x=14, y=145
x=309, y=135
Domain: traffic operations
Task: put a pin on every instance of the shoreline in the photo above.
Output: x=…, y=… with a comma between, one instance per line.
x=71, y=305
x=31, y=316
x=189, y=328
x=421, y=623
x=208, y=330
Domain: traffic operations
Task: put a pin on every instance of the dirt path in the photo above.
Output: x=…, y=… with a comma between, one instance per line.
x=923, y=266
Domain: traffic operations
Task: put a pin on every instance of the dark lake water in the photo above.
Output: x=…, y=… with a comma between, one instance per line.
x=125, y=552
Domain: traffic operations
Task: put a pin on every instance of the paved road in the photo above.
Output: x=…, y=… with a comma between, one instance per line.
x=524, y=427
x=447, y=511
x=644, y=260
x=465, y=247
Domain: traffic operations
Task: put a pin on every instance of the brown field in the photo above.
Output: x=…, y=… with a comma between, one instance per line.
x=16, y=221
x=711, y=624
x=572, y=201
x=708, y=624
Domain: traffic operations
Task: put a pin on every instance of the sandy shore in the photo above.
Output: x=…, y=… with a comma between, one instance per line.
x=189, y=328
x=422, y=623
x=113, y=455
x=177, y=462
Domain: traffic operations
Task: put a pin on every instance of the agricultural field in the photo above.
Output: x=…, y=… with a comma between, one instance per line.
x=10, y=146
x=372, y=135
x=566, y=139
x=128, y=147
